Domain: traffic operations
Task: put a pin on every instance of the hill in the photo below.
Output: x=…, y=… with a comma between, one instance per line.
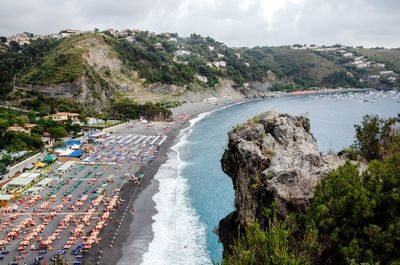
x=93, y=68
x=390, y=57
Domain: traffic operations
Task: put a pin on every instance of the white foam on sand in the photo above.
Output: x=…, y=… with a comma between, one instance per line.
x=176, y=236
x=179, y=236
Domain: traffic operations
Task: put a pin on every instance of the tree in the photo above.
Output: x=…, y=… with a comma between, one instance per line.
x=32, y=116
x=20, y=121
x=373, y=136
x=357, y=214
x=3, y=39
x=15, y=47
x=3, y=126
x=17, y=144
x=57, y=132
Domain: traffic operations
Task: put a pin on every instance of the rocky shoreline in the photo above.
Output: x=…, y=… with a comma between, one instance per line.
x=271, y=159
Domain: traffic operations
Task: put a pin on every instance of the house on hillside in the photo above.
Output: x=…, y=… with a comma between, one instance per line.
x=63, y=116
x=20, y=38
x=16, y=128
x=158, y=45
x=386, y=73
x=68, y=32
x=46, y=139
x=29, y=126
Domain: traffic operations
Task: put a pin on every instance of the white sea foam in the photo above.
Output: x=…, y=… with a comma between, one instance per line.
x=179, y=236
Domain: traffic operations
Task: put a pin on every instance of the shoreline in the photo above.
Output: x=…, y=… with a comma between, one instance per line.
x=328, y=91
x=136, y=226
x=125, y=227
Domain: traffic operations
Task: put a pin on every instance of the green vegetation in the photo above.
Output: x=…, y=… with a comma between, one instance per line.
x=62, y=64
x=127, y=109
x=274, y=244
x=390, y=57
x=375, y=137
x=45, y=106
x=15, y=60
x=179, y=61
x=354, y=217
x=152, y=57
x=286, y=87
x=16, y=141
x=168, y=104
x=12, y=141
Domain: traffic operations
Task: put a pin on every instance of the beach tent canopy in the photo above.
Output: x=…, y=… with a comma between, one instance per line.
x=49, y=159
x=72, y=142
x=66, y=152
x=40, y=164
x=76, y=153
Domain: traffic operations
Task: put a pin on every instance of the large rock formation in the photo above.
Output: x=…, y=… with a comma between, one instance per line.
x=271, y=158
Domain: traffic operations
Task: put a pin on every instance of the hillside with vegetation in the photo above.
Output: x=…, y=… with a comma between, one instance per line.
x=97, y=67
x=389, y=57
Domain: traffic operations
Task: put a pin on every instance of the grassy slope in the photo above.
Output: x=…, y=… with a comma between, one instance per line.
x=63, y=65
x=304, y=66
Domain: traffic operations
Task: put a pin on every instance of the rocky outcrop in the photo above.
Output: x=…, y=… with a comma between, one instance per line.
x=271, y=158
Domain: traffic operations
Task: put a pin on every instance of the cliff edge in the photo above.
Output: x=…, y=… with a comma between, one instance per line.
x=273, y=158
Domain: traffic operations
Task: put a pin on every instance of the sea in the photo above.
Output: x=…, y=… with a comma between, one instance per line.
x=194, y=194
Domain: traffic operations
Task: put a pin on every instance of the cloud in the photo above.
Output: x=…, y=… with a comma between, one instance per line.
x=235, y=22
x=272, y=7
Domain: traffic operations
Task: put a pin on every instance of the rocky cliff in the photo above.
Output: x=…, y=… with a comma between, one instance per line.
x=271, y=158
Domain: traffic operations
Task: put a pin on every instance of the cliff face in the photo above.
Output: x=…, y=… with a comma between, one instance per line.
x=271, y=158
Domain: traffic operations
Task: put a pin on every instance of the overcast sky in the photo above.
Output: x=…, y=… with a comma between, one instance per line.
x=234, y=22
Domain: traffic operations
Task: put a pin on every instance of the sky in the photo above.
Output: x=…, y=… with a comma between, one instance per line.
x=237, y=23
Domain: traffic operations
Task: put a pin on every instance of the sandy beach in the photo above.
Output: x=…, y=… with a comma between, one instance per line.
x=127, y=226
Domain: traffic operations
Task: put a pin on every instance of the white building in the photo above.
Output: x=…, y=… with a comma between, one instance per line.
x=386, y=73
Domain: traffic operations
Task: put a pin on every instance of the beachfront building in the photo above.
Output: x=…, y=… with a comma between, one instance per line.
x=21, y=183
x=63, y=116
x=65, y=167
x=44, y=183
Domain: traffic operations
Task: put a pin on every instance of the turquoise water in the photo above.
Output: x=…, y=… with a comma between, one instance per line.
x=332, y=116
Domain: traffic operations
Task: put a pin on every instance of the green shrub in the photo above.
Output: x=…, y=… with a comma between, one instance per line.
x=273, y=245
x=374, y=136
